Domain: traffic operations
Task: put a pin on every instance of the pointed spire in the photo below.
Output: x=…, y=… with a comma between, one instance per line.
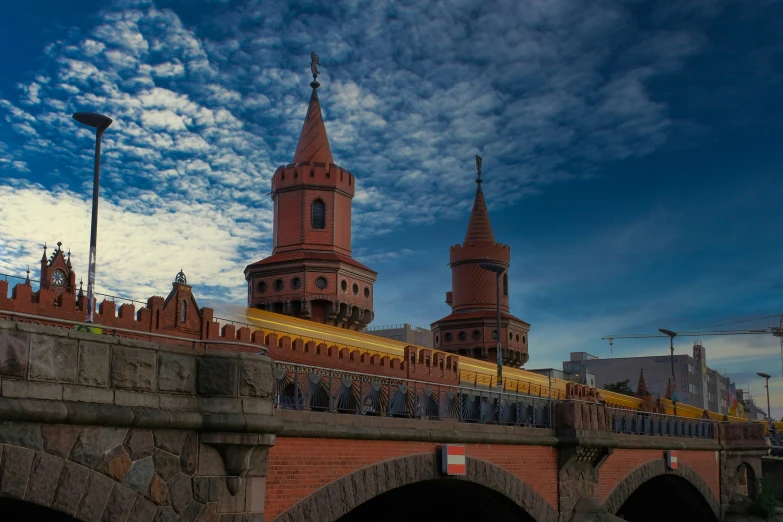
x=68, y=262
x=43, y=259
x=81, y=291
x=313, y=142
x=641, y=387
x=27, y=281
x=479, y=227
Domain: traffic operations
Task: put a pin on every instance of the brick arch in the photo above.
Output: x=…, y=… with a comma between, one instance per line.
x=69, y=488
x=655, y=468
x=343, y=495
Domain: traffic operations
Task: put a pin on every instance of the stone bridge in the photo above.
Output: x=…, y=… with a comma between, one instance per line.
x=103, y=429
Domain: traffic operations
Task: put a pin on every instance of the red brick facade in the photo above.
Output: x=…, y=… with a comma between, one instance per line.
x=624, y=461
x=300, y=466
x=471, y=328
x=310, y=273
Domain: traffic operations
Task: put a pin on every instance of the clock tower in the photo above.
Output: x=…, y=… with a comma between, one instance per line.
x=56, y=272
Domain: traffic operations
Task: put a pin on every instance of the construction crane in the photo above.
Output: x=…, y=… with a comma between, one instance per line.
x=776, y=331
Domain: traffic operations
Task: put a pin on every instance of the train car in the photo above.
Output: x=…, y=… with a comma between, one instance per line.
x=473, y=373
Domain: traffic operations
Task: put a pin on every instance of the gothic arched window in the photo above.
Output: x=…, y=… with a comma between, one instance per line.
x=319, y=215
x=184, y=312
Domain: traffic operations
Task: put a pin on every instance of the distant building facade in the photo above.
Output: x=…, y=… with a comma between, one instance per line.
x=404, y=333
x=697, y=385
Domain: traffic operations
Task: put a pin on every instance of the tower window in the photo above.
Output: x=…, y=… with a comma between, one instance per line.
x=344, y=285
x=366, y=292
x=476, y=335
x=510, y=336
x=320, y=282
x=447, y=337
x=261, y=287
x=355, y=289
x=279, y=285
x=296, y=283
x=463, y=336
x=184, y=312
x=494, y=334
x=319, y=215
x=505, y=284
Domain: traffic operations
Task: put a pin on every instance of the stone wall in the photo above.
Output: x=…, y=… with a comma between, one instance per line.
x=113, y=429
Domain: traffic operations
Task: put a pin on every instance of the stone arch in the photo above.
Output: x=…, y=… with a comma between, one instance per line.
x=331, y=502
x=654, y=468
x=68, y=488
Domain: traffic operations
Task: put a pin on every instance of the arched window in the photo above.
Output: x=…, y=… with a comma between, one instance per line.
x=184, y=312
x=319, y=215
x=505, y=284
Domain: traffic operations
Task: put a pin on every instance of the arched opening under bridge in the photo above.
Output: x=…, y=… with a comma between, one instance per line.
x=439, y=499
x=666, y=498
x=13, y=510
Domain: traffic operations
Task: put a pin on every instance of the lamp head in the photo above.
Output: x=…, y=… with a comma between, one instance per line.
x=91, y=119
x=667, y=332
x=764, y=375
x=493, y=267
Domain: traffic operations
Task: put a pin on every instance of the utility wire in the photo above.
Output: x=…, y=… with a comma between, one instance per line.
x=733, y=322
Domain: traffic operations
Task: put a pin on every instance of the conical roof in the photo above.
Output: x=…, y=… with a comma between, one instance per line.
x=641, y=387
x=313, y=143
x=479, y=227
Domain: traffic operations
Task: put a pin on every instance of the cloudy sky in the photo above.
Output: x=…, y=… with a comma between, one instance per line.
x=631, y=152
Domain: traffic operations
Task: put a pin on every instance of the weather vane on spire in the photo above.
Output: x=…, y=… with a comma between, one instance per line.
x=314, y=64
x=478, y=168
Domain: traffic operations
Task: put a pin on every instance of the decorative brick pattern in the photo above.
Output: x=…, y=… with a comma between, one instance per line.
x=298, y=467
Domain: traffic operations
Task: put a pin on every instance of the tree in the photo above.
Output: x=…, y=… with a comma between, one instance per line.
x=620, y=387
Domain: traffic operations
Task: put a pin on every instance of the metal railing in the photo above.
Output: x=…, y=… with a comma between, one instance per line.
x=312, y=388
x=385, y=327
x=631, y=422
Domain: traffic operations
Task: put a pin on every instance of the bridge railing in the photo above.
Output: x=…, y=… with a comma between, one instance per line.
x=646, y=423
x=312, y=388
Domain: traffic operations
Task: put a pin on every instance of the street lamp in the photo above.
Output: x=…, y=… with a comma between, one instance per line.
x=498, y=269
x=672, y=335
x=100, y=123
x=766, y=385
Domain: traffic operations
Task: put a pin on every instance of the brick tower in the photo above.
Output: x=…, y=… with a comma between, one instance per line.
x=471, y=328
x=311, y=273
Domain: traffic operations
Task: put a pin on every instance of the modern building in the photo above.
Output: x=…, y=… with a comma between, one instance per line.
x=311, y=273
x=471, y=327
x=586, y=378
x=405, y=333
x=697, y=385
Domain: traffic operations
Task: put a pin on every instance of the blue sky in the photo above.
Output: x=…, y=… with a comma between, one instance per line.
x=631, y=152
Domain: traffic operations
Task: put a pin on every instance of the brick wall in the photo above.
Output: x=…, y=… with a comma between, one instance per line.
x=623, y=461
x=300, y=466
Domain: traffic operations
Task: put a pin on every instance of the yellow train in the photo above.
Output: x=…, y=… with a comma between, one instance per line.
x=472, y=372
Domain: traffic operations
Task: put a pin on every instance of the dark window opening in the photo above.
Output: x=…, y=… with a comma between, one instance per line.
x=296, y=283
x=355, y=289
x=319, y=215
x=366, y=292
x=344, y=286
x=184, y=311
x=448, y=337
x=279, y=285
x=320, y=282
x=494, y=334
x=476, y=335
x=463, y=336
x=261, y=287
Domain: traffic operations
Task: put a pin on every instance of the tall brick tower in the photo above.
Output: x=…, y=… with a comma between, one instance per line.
x=471, y=328
x=311, y=273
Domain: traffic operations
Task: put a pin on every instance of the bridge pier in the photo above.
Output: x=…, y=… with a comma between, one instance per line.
x=107, y=429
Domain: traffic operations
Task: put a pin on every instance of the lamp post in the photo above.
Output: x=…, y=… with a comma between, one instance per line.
x=498, y=269
x=100, y=123
x=766, y=385
x=672, y=335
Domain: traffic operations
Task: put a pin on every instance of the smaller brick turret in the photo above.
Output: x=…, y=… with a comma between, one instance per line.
x=471, y=328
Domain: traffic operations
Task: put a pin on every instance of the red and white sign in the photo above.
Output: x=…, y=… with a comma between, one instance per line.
x=671, y=459
x=453, y=459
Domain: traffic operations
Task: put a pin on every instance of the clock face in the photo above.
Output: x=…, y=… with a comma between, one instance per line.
x=58, y=278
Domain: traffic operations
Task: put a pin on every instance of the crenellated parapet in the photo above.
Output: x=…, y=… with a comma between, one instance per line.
x=481, y=251
x=315, y=174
